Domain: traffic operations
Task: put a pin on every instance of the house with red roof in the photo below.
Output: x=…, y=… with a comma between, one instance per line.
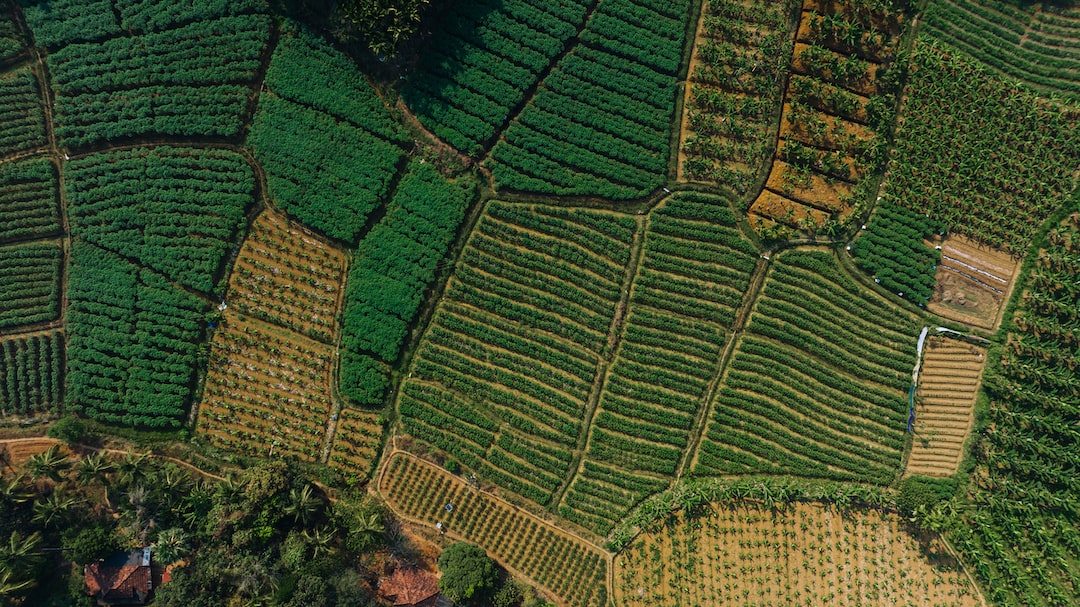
x=122, y=579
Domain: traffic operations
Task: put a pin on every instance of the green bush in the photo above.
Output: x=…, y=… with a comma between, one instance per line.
x=923, y=491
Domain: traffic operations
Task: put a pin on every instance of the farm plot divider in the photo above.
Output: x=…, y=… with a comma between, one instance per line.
x=692, y=277
x=574, y=571
x=502, y=377
x=817, y=384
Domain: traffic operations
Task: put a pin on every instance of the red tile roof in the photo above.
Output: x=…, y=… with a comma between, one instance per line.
x=129, y=584
x=408, y=586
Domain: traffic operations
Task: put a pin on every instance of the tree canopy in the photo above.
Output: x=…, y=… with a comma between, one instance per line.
x=468, y=573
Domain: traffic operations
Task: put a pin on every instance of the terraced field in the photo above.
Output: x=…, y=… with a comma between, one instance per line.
x=504, y=374
x=948, y=385
x=268, y=389
x=1033, y=44
x=817, y=384
x=574, y=571
x=690, y=282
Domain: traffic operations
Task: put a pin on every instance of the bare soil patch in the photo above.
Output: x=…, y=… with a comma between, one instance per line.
x=973, y=282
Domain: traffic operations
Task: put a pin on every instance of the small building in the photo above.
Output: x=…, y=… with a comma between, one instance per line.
x=122, y=579
x=410, y=587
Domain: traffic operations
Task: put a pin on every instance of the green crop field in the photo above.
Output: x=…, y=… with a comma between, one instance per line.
x=652, y=301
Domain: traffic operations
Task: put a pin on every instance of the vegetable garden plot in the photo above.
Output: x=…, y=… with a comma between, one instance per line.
x=285, y=276
x=742, y=54
x=29, y=208
x=994, y=184
x=143, y=204
x=22, y=120
x=835, y=116
x=329, y=146
x=30, y=284
x=893, y=251
x=948, y=384
x=31, y=373
x=573, y=571
x=268, y=383
x=267, y=390
x=1025, y=527
x=356, y=444
x=817, y=385
x=692, y=277
x=600, y=123
x=133, y=340
x=480, y=65
x=11, y=43
x=503, y=374
x=191, y=74
x=395, y=264
x=1035, y=44
x=743, y=553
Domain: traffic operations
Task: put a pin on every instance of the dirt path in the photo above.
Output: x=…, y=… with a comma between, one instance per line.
x=610, y=351
x=80, y=447
x=705, y=407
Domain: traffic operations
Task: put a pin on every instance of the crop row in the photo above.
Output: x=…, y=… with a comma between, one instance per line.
x=627, y=49
x=190, y=80
x=31, y=371
x=132, y=341
x=307, y=70
x=998, y=35
x=480, y=65
x=288, y=278
x=62, y=22
x=600, y=495
x=28, y=200
x=29, y=284
x=815, y=388
x=892, y=250
x=11, y=43
x=731, y=99
x=663, y=368
x=396, y=263
x=267, y=388
x=572, y=570
x=531, y=292
x=994, y=184
x=176, y=210
x=356, y=443
x=22, y=121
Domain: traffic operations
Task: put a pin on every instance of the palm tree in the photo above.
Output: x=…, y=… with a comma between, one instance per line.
x=11, y=585
x=12, y=491
x=130, y=469
x=321, y=540
x=21, y=554
x=172, y=545
x=96, y=467
x=303, y=504
x=48, y=464
x=53, y=510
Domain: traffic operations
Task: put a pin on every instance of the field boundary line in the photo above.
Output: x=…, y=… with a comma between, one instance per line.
x=393, y=451
x=611, y=348
x=753, y=290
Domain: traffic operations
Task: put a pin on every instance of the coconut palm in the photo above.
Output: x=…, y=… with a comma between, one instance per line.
x=303, y=504
x=53, y=510
x=172, y=545
x=49, y=464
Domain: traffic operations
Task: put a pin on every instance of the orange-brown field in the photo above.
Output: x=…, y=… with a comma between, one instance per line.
x=268, y=384
x=747, y=555
x=948, y=383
